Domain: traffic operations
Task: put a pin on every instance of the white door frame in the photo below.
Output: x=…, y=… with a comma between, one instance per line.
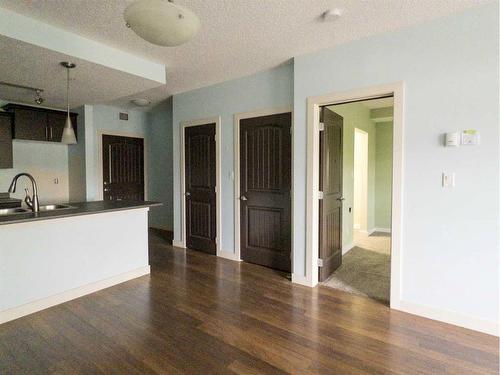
x=237, y=118
x=312, y=226
x=199, y=122
x=100, y=179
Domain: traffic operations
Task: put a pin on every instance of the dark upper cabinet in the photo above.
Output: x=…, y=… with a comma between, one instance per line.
x=38, y=124
x=29, y=124
x=5, y=140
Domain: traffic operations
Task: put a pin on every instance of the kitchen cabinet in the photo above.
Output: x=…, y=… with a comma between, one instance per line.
x=38, y=124
x=6, y=140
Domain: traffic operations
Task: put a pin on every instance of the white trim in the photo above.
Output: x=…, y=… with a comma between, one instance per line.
x=178, y=244
x=237, y=118
x=301, y=280
x=100, y=181
x=313, y=105
x=218, y=145
x=229, y=255
x=42, y=304
x=347, y=248
x=451, y=317
x=382, y=230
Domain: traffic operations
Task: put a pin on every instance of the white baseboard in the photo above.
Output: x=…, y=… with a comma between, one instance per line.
x=42, y=304
x=451, y=317
x=178, y=244
x=346, y=248
x=383, y=230
x=302, y=280
x=228, y=255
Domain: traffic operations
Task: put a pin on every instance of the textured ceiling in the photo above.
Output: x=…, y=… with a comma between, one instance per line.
x=28, y=65
x=237, y=37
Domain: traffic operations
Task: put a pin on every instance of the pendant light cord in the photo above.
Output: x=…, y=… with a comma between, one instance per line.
x=67, y=89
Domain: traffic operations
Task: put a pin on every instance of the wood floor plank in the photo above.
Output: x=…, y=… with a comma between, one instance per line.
x=199, y=314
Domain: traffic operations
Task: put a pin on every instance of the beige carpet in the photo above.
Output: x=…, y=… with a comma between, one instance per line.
x=365, y=268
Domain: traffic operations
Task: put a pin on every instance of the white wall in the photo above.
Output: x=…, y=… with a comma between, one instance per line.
x=46, y=161
x=450, y=70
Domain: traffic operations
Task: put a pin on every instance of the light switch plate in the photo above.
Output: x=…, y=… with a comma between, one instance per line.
x=448, y=180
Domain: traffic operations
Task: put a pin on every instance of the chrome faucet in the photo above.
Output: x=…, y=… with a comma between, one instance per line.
x=32, y=201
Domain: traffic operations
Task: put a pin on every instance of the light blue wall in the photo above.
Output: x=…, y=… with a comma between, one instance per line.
x=269, y=89
x=76, y=162
x=450, y=70
x=103, y=118
x=161, y=165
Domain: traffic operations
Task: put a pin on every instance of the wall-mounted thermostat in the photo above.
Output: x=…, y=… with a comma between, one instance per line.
x=470, y=137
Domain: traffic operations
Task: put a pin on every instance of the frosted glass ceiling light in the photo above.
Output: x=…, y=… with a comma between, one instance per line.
x=161, y=22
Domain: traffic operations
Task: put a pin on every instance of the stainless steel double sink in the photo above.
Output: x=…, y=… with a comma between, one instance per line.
x=48, y=207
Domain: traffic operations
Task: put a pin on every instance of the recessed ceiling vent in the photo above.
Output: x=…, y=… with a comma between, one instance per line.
x=123, y=116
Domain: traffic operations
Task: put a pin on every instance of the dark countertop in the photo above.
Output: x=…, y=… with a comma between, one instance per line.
x=79, y=209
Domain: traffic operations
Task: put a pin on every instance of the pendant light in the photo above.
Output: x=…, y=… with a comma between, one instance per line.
x=68, y=135
x=161, y=22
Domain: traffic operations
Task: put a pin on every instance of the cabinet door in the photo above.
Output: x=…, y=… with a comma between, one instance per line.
x=56, y=123
x=5, y=141
x=30, y=124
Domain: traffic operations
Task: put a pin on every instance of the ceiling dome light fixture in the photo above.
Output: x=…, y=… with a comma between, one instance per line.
x=141, y=102
x=161, y=22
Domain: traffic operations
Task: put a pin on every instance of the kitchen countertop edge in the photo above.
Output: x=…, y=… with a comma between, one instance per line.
x=78, y=209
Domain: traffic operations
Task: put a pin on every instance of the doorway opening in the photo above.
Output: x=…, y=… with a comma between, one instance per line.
x=355, y=182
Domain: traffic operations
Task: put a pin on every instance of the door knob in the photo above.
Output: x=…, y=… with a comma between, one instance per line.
x=188, y=194
x=243, y=198
x=341, y=199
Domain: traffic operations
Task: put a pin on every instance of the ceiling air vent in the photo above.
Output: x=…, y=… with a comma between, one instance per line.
x=123, y=116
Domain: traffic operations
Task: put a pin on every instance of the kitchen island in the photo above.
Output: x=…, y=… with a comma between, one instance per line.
x=50, y=257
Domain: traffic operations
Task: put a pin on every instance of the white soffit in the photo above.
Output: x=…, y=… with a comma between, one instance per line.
x=28, y=30
x=29, y=65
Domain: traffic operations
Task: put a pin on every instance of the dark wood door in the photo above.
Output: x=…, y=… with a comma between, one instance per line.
x=5, y=140
x=200, y=188
x=265, y=183
x=123, y=168
x=330, y=207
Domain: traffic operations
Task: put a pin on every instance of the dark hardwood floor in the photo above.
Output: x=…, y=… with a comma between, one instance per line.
x=199, y=314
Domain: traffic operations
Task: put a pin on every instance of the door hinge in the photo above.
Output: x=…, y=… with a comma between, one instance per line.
x=320, y=262
x=216, y=240
x=320, y=195
x=321, y=126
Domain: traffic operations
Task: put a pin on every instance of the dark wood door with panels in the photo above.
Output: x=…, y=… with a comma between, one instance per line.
x=265, y=184
x=123, y=168
x=330, y=186
x=200, y=188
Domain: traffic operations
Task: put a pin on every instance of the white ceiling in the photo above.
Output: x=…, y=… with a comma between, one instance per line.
x=237, y=37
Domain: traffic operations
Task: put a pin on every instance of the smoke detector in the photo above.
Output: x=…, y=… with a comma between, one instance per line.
x=330, y=15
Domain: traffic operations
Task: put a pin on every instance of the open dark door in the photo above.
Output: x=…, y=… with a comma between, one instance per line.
x=330, y=183
x=200, y=186
x=265, y=181
x=123, y=168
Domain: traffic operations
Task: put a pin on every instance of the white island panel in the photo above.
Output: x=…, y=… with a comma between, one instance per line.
x=43, y=263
